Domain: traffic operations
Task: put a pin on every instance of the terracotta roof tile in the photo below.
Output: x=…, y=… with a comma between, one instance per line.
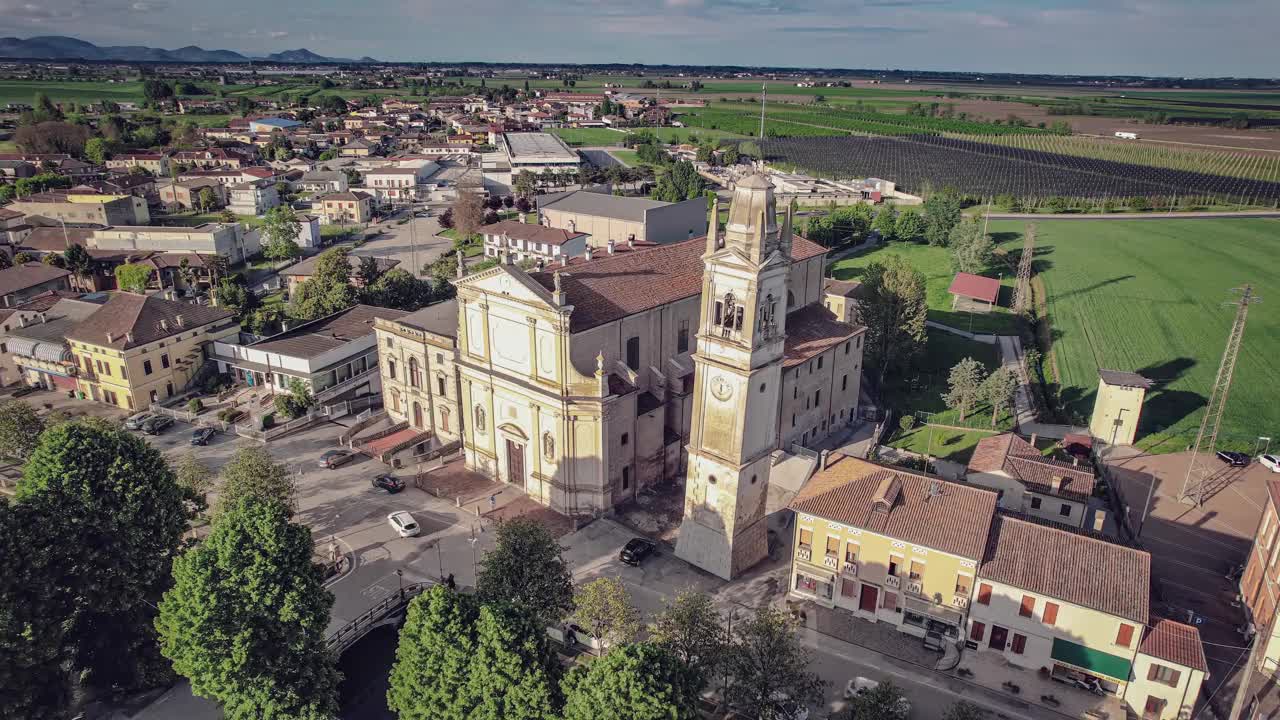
x=149, y=318
x=936, y=513
x=1175, y=642
x=1076, y=567
x=812, y=330
x=611, y=287
x=530, y=232
x=1022, y=461
x=975, y=286
x=21, y=277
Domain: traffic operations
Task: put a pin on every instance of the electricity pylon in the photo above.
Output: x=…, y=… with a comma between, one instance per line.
x=1022, y=288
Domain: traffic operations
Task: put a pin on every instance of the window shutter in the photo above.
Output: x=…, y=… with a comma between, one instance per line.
x=1153, y=671
x=1050, y=613
x=1174, y=676
x=984, y=594
x=976, y=632
x=1125, y=635
x=1028, y=606
x=1019, y=644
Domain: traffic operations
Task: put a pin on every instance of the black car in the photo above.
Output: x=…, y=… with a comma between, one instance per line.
x=156, y=425
x=1234, y=459
x=390, y=483
x=636, y=550
x=202, y=435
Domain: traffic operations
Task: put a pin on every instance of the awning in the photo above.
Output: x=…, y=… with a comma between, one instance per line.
x=1090, y=660
x=937, y=612
x=40, y=349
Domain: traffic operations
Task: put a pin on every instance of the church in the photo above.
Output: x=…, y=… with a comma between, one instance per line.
x=598, y=376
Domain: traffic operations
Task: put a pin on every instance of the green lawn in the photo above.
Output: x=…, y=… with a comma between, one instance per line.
x=935, y=263
x=24, y=91
x=588, y=136
x=920, y=389
x=606, y=137
x=630, y=158
x=941, y=443
x=1148, y=296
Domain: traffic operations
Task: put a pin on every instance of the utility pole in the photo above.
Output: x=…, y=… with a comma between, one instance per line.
x=1199, y=471
x=763, y=93
x=1022, y=287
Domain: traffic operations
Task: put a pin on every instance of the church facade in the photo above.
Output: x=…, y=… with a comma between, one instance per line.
x=578, y=383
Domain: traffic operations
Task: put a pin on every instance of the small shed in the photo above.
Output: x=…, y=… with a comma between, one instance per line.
x=974, y=293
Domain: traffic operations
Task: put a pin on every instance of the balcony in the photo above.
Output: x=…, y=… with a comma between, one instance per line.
x=831, y=562
x=850, y=569
x=915, y=587
x=960, y=601
x=804, y=554
x=893, y=581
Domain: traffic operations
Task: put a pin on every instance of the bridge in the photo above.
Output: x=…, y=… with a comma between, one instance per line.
x=388, y=611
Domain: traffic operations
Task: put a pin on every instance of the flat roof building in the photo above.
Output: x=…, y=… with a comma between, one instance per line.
x=538, y=151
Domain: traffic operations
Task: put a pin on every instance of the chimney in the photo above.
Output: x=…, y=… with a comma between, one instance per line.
x=1075, y=461
x=631, y=242
x=110, y=338
x=588, y=255
x=22, y=321
x=611, y=246
x=43, y=318
x=824, y=459
x=1033, y=439
x=179, y=320
x=128, y=336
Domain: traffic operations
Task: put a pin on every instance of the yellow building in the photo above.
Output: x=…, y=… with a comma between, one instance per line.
x=1077, y=605
x=1118, y=406
x=137, y=349
x=889, y=545
x=346, y=208
x=418, y=356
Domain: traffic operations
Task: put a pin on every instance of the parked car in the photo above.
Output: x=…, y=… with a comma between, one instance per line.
x=1271, y=462
x=157, y=424
x=202, y=435
x=861, y=685
x=24, y=390
x=336, y=458
x=1234, y=459
x=404, y=524
x=134, y=422
x=636, y=550
x=390, y=483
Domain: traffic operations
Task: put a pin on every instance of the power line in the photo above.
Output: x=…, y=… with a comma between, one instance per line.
x=1022, y=287
x=1199, y=471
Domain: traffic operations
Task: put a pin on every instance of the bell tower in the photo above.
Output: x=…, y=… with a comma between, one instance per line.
x=737, y=382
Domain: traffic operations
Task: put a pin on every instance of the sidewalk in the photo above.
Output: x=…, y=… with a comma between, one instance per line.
x=1024, y=408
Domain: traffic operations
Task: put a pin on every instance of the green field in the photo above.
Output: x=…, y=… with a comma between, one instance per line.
x=920, y=389
x=935, y=263
x=1148, y=296
x=606, y=137
x=630, y=158
x=24, y=91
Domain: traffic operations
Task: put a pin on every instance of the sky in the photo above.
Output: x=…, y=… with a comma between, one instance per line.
x=1179, y=38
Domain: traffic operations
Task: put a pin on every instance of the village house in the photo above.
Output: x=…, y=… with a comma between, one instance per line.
x=155, y=163
x=1032, y=484
x=543, y=245
x=345, y=208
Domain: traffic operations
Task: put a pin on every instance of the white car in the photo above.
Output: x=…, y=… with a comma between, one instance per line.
x=1271, y=462
x=860, y=685
x=404, y=524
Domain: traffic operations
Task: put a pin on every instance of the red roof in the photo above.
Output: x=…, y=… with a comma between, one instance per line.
x=811, y=331
x=1175, y=642
x=976, y=286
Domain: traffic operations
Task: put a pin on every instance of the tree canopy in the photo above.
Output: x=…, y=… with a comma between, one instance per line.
x=603, y=606
x=964, y=386
x=20, y=428
x=280, y=230
x=328, y=291
x=769, y=667
x=526, y=569
x=693, y=631
x=133, y=277
x=640, y=681
x=245, y=620
x=253, y=472
x=894, y=310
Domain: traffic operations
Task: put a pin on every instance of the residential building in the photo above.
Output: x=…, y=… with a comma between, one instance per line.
x=229, y=240
x=85, y=208
x=141, y=349
x=227, y=177
x=185, y=194
x=1260, y=595
x=358, y=148
x=1030, y=483
x=155, y=163
x=322, y=181
x=253, y=198
x=35, y=342
x=623, y=219
x=420, y=386
x=536, y=152
x=587, y=399
x=12, y=170
x=303, y=270
x=395, y=184
x=309, y=231
x=23, y=282
x=1076, y=603
x=345, y=208
x=270, y=125
x=541, y=244
x=334, y=356
x=889, y=545
x=208, y=158
x=842, y=299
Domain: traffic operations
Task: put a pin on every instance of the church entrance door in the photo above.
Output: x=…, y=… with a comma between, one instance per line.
x=515, y=463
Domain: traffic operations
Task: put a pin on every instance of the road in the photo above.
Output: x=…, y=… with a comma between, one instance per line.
x=1140, y=216
x=403, y=242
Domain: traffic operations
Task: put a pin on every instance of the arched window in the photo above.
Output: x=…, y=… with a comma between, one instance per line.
x=444, y=419
x=791, y=300
x=417, y=415
x=415, y=374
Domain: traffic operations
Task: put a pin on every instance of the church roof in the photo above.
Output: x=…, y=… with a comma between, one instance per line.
x=612, y=287
x=812, y=330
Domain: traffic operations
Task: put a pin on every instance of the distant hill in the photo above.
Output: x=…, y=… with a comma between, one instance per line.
x=56, y=47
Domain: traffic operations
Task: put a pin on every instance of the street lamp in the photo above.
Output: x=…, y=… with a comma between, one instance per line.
x=473, y=540
x=400, y=577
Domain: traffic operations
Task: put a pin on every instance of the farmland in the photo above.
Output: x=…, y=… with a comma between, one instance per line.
x=922, y=162
x=935, y=264
x=606, y=137
x=798, y=120
x=1147, y=295
x=21, y=91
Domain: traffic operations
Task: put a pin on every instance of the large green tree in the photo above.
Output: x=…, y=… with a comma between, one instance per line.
x=121, y=517
x=964, y=386
x=769, y=668
x=280, y=230
x=133, y=277
x=245, y=621
x=692, y=629
x=603, y=606
x=35, y=675
x=941, y=213
x=328, y=291
x=399, y=289
x=434, y=656
x=971, y=248
x=513, y=674
x=998, y=391
x=253, y=472
x=641, y=681
x=883, y=702
x=526, y=569
x=894, y=310
x=20, y=429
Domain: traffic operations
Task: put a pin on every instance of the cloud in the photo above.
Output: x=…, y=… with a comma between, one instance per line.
x=852, y=29
x=277, y=34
